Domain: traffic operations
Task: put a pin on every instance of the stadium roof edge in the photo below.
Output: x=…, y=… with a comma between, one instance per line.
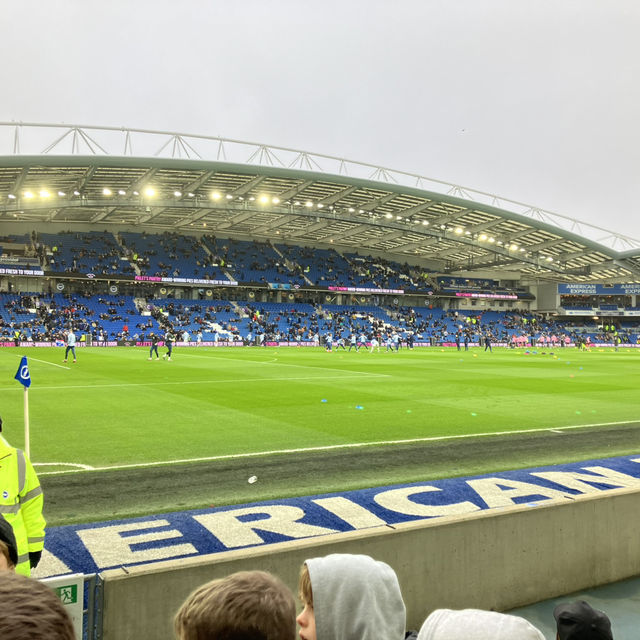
x=114, y=161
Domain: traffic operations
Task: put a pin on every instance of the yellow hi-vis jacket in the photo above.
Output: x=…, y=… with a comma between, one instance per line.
x=21, y=503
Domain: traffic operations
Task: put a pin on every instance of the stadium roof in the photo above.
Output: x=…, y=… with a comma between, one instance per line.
x=161, y=181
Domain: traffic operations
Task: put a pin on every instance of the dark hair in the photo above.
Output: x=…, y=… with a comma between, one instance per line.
x=248, y=605
x=30, y=610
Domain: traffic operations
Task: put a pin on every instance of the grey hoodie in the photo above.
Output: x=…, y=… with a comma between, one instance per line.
x=356, y=598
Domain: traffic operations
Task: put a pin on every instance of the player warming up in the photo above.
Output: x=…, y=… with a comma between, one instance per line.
x=71, y=345
x=169, y=338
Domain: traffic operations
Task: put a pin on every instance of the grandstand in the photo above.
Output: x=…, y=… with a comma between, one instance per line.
x=281, y=248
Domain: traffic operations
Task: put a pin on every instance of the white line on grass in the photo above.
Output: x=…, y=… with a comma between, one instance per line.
x=85, y=467
x=53, y=364
x=353, y=445
x=179, y=382
x=283, y=364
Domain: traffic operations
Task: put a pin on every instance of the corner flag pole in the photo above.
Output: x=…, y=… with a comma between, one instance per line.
x=26, y=423
x=24, y=378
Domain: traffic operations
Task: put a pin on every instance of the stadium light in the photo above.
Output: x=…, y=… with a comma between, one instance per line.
x=352, y=210
x=388, y=216
x=11, y=196
x=492, y=239
x=308, y=204
x=28, y=195
x=122, y=192
x=76, y=193
x=191, y=195
x=425, y=223
x=482, y=237
x=136, y=193
x=264, y=199
x=229, y=196
x=459, y=230
x=44, y=193
x=275, y=200
x=150, y=192
x=215, y=195
x=398, y=217
x=320, y=205
x=106, y=192
x=177, y=194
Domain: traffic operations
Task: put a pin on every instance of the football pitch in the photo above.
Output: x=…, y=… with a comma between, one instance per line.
x=116, y=434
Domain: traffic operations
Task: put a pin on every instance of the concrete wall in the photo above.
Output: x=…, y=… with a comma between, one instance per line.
x=502, y=558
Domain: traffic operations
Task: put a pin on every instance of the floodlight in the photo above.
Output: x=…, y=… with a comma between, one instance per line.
x=264, y=199
x=388, y=215
x=459, y=230
x=60, y=193
x=11, y=196
x=215, y=195
x=425, y=223
x=229, y=196
x=177, y=194
x=352, y=210
x=275, y=200
x=150, y=192
x=28, y=194
x=308, y=203
x=76, y=193
x=122, y=192
x=106, y=192
x=44, y=193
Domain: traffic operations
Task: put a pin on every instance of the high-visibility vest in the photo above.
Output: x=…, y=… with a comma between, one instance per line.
x=21, y=503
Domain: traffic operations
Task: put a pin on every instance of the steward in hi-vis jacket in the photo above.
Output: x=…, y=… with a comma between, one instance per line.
x=21, y=503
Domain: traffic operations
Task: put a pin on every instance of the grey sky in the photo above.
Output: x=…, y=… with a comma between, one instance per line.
x=533, y=100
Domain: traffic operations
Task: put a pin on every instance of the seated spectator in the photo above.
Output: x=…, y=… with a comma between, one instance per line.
x=8, y=547
x=248, y=605
x=350, y=597
x=475, y=624
x=578, y=621
x=29, y=610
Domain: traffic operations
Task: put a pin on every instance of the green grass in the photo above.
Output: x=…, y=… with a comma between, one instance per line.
x=114, y=407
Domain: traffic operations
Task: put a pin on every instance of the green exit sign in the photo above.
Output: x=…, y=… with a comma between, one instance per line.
x=68, y=594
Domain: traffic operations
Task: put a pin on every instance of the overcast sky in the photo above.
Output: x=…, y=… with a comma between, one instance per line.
x=533, y=100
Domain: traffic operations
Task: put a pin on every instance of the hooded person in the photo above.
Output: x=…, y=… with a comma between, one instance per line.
x=350, y=597
x=476, y=624
x=579, y=621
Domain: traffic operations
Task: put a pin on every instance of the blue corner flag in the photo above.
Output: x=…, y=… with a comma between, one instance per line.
x=23, y=376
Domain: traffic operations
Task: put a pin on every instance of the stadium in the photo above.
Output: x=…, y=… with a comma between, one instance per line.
x=497, y=337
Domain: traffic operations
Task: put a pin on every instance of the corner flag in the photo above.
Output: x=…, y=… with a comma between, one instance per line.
x=22, y=375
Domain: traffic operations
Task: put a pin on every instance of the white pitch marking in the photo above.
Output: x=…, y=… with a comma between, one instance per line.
x=353, y=445
x=234, y=381
x=53, y=364
x=86, y=467
x=285, y=364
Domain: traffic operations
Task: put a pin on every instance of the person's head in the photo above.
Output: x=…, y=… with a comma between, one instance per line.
x=248, y=605
x=447, y=624
x=352, y=597
x=8, y=547
x=579, y=621
x=29, y=609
